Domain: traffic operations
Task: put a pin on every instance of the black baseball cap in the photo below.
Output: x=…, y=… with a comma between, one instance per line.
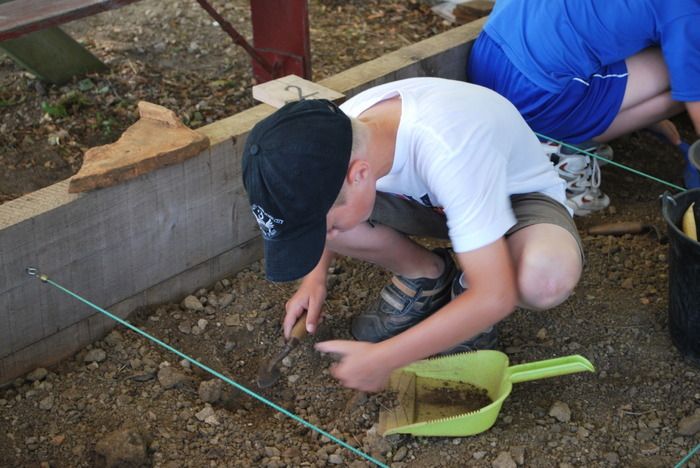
x=294, y=163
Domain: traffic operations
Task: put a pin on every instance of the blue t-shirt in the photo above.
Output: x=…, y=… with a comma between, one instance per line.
x=554, y=41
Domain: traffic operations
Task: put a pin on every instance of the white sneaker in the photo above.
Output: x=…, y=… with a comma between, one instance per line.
x=582, y=175
x=605, y=152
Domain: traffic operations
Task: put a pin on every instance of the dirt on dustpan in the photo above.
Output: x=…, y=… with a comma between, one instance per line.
x=439, y=398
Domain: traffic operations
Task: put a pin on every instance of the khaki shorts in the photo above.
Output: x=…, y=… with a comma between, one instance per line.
x=414, y=219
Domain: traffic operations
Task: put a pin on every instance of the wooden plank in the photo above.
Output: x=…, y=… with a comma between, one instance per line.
x=156, y=140
x=112, y=243
x=20, y=17
x=291, y=88
x=52, y=55
x=159, y=236
x=62, y=344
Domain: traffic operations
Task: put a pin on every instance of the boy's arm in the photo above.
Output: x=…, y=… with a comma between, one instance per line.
x=491, y=296
x=309, y=296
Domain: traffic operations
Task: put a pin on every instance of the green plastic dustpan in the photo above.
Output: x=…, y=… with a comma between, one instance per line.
x=418, y=412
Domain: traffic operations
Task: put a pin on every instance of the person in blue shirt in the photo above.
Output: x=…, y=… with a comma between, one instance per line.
x=586, y=72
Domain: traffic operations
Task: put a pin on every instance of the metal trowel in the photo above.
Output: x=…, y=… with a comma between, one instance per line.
x=269, y=372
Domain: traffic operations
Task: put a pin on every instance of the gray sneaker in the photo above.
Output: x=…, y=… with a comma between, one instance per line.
x=405, y=302
x=488, y=339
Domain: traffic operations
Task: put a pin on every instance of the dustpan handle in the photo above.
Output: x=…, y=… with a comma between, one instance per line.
x=549, y=368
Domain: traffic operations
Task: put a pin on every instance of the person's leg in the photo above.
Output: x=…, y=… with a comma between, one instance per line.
x=547, y=255
x=384, y=240
x=546, y=251
x=548, y=264
x=647, y=100
x=386, y=247
x=422, y=278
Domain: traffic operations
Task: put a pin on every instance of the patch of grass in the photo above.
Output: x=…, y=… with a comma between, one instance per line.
x=55, y=111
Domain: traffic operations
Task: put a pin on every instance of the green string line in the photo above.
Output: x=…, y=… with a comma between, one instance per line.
x=687, y=457
x=627, y=168
x=45, y=279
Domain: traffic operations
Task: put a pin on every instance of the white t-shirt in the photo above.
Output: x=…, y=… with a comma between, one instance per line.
x=465, y=149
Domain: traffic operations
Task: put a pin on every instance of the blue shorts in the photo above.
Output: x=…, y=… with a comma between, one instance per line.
x=584, y=109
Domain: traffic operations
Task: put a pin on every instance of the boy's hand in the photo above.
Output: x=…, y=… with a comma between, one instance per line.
x=358, y=368
x=309, y=297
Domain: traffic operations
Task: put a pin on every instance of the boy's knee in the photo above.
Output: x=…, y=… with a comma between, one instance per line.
x=546, y=283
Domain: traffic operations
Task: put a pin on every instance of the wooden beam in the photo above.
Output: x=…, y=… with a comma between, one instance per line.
x=291, y=88
x=19, y=17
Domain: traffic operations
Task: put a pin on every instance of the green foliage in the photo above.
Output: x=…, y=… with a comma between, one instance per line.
x=55, y=111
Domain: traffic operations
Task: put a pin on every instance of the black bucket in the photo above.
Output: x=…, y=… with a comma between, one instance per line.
x=684, y=277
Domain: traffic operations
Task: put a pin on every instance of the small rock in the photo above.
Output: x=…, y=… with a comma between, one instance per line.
x=210, y=390
x=560, y=411
x=293, y=378
x=123, y=447
x=46, y=403
x=644, y=435
x=202, y=324
x=232, y=320
x=400, y=454
x=37, y=374
x=648, y=448
x=184, y=328
x=689, y=425
x=478, y=455
x=170, y=378
x=518, y=454
x=503, y=460
x=612, y=458
x=272, y=452
x=225, y=300
x=208, y=416
x=335, y=459
x=95, y=355
x=192, y=303
x=542, y=334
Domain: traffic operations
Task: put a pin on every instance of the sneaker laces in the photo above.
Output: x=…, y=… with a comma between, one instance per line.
x=580, y=171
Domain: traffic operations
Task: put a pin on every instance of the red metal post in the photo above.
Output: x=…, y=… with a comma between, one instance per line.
x=281, y=35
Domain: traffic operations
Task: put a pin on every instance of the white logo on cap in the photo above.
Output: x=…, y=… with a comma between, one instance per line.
x=266, y=222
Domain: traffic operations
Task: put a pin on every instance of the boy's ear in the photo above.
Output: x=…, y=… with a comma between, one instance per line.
x=358, y=170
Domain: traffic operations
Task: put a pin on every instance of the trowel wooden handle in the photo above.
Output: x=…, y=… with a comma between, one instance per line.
x=628, y=227
x=299, y=331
